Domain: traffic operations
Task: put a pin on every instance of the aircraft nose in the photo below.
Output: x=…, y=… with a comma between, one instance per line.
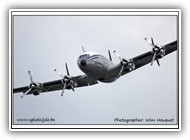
x=83, y=62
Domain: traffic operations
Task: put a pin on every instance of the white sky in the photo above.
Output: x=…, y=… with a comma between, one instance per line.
x=43, y=43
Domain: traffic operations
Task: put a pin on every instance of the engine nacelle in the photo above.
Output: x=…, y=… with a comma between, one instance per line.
x=162, y=53
x=36, y=93
x=131, y=66
x=71, y=84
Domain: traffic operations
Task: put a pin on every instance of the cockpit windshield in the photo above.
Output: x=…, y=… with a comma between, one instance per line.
x=87, y=54
x=84, y=55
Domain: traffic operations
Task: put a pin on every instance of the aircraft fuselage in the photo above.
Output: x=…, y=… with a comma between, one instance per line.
x=97, y=66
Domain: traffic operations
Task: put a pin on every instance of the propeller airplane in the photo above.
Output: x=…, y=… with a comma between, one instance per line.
x=98, y=68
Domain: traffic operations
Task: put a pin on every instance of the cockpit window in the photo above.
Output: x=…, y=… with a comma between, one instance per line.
x=84, y=55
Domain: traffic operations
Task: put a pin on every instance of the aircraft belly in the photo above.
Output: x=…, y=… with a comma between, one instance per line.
x=96, y=69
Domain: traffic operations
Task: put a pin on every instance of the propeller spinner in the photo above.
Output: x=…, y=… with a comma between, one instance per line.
x=66, y=80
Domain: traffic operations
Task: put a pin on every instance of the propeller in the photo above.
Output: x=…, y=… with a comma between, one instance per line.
x=65, y=79
x=31, y=86
x=124, y=63
x=68, y=77
x=120, y=58
x=155, y=49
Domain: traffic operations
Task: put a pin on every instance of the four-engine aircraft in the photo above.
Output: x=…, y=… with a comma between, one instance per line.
x=98, y=68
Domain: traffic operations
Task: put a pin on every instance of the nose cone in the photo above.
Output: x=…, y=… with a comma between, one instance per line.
x=83, y=62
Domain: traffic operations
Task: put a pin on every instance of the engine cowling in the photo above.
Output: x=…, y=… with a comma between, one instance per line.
x=128, y=63
x=36, y=93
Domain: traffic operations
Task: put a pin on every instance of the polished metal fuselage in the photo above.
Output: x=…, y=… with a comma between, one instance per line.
x=99, y=67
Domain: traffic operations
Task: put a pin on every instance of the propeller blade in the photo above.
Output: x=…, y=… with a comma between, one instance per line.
x=153, y=58
x=73, y=89
x=59, y=74
x=72, y=85
x=158, y=62
x=26, y=92
x=64, y=86
x=118, y=55
x=152, y=41
x=121, y=71
x=67, y=69
x=30, y=75
x=83, y=49
x=109, y=55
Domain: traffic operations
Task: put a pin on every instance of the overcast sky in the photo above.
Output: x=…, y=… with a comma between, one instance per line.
x=43, y=43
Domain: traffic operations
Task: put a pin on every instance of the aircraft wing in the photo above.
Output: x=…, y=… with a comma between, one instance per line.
x=72, y=82
x=37, y=88
x=147, y=57
x=80, y=81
